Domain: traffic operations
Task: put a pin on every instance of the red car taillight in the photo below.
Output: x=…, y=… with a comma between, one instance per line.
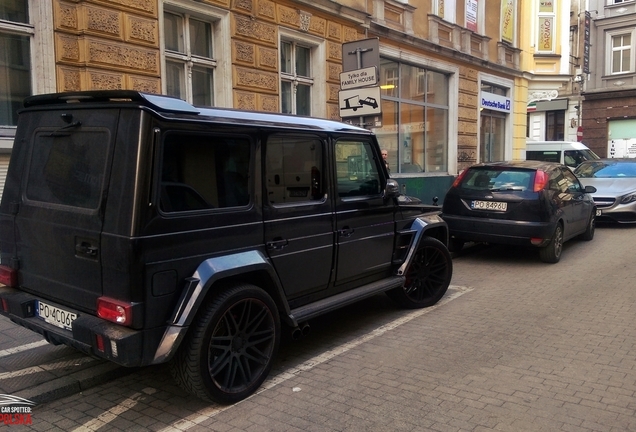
x=8, y=276
x=459, y=178
x=114, y=310
x=540, y=180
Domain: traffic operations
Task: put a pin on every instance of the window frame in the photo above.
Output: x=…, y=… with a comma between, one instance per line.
x=39, y=29
x=609, y=55
x=317, y=82
x=220, y=45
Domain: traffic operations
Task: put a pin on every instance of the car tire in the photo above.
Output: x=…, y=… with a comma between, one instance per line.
x=591, y=227
x=552, y=252
x=228, y=351
x=427, y=277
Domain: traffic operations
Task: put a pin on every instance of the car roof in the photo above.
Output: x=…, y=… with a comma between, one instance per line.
x=525, y=164
x=174, y=108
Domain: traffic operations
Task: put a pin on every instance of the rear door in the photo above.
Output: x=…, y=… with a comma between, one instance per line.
x=298, y=214
x=580, y=208
x=58, y=219
x=365, y=227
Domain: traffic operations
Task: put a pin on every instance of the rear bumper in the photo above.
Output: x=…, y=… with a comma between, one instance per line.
x=497, y=230
x=121, y=345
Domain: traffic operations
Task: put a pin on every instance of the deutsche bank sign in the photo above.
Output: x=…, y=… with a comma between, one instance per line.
x=495, y=102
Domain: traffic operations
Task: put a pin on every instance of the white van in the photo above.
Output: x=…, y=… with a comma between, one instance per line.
x=569, y=153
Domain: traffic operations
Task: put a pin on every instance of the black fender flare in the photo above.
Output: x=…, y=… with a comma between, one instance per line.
x=197, y=287
x=420, y=226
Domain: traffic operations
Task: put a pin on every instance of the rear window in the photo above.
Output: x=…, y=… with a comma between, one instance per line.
x=67, y=167
x=490, y=179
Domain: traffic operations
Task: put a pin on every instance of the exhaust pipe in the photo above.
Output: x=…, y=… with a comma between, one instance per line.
x=305, y=329
x=300, y=331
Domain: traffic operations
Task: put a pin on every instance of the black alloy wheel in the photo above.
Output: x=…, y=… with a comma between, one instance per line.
x=229, y=351
x=552, y=252
x=427, y=277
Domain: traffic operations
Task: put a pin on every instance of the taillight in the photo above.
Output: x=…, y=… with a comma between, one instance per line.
x=540, y=180
x=8, y=276
x=459, y=178
x=114, y=310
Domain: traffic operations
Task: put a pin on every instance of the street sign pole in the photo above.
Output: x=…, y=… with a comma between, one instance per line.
x=358, y=52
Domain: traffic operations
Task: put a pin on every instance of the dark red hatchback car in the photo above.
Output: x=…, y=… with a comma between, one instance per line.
x=526, y=203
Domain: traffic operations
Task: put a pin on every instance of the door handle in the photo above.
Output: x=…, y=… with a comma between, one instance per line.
x=277, y=243
x=86, y=249
x=346, y=232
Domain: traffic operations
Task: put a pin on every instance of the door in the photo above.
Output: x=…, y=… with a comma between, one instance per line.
x=60, y=215
x=492, y=137
x=581, y=208
x=569, y=198
x=298, y=213
x=365, y=226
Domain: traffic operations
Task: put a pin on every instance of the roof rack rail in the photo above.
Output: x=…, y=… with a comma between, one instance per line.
x=158, y=102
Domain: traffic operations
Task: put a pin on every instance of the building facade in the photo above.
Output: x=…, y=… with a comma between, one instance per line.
x=609, y=105
x=452, y=91
x=553, y=54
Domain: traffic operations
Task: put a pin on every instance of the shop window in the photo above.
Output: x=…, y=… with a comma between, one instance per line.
x=415, y=117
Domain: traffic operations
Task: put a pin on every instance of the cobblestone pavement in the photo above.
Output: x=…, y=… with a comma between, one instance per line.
x=516, y=345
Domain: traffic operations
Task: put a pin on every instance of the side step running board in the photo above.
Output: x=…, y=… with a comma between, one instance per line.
x=329, y=304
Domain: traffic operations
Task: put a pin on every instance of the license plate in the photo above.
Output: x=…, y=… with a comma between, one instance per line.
x=490, y=205
x=599, y=212
x=54, y=315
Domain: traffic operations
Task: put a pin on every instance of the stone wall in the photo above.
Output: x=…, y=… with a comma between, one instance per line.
x=108, y=44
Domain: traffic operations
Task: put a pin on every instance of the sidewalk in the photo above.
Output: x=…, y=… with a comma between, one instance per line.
x=33, y=369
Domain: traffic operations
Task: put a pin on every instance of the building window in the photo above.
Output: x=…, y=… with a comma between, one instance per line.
x=189, y=58
x=415, y=117
x=621, y=53
x=555, y=125
x=445, y=9
x=295, y=78
x=15, y=59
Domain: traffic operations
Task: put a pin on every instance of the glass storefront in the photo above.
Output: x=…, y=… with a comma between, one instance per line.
x=494, y=110
x=414, y=118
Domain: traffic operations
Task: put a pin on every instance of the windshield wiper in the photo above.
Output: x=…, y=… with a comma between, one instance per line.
x=62, y=130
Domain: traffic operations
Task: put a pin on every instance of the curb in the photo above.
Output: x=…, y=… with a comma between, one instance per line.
x=75, y=382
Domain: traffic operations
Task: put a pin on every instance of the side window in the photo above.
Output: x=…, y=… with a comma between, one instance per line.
x=572, y=182
x=357, y=169
x=294, y=169
x=547, y=156
x=204, y=172
x=573, y=158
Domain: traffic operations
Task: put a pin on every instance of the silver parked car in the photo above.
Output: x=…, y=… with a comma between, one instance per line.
x=615, y=183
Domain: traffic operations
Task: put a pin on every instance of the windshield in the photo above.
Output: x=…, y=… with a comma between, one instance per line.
x=574, y=158
x=606, y=169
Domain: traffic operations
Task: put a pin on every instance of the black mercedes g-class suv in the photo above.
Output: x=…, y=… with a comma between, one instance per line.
x=141, y=229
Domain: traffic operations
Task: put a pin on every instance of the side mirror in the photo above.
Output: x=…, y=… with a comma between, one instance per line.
x=590, y=189
x=392, y=189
